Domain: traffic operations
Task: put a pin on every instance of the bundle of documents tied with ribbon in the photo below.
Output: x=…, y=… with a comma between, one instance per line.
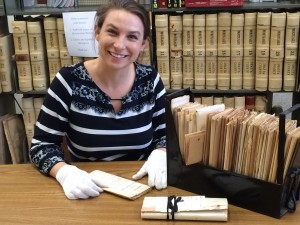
x=185, y=208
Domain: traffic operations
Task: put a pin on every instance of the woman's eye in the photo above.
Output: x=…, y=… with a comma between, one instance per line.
x=113, y=32
x=133, y=37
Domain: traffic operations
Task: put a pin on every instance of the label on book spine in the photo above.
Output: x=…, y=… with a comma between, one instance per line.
x=250, y=34
x=176, y=72
x=237, y=35
x=262, y=71
x=188, y=34
x=224, y=24
x=211, y=33
x=263, y=34
x=188, y=72
x=236, y=73
x=163, y=67
x=223, y=75
x=211, y=72
x=275, y=74
x=199, y=35
x=248, y=72
x=199, y=72
x=277, y=35
x=289, y=75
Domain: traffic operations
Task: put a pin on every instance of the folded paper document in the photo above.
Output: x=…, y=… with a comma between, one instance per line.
x=185, y=208
x=120, y=186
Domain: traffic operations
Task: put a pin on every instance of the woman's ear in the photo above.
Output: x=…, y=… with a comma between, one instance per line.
x=97, y=32
x=145, y=44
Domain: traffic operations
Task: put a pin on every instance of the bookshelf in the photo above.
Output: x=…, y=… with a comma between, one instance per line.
x=276, y=7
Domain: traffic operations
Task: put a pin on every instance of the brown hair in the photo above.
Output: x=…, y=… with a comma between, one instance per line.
x=128, y=5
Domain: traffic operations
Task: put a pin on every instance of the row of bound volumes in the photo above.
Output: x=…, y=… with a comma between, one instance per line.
x=159, y=4
x=40, y=51
x=40, y=48
x=249, y=50
x=249, y=102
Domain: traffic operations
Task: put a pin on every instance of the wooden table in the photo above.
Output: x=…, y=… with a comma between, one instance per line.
x=28, y=197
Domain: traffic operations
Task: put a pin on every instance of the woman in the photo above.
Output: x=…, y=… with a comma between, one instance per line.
x=109, y=108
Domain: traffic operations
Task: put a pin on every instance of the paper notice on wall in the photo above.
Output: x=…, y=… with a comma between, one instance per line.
x=79, y=32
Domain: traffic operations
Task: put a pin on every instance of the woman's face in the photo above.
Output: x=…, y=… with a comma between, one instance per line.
x=120, y=38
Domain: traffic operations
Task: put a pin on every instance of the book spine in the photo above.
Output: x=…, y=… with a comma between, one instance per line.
x=162, y=48
x=278, y=24
x=248, y=72
x=229, y=102
x=64, y=55
x=260, y=103
x=211, y=72
x=211, y=53
x=162, y=4
x=237, y=52
x=262, y=50
x=188, y=50
x=6, y=66
x=29, y=117
x=199, y=51
x=239, y=101
x=52, y=45
x=236, y=64
x=37, y=104
x=223, y=46
x=175, y=32
x=199, y=72
x=291, y=51
x=22, y=55
x=77, y=59
x=250, y=102
x=37, y=51
x=249, y=50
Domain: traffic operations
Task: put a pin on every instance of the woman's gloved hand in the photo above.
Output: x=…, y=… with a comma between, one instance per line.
x=156, y=168
x=77, y=183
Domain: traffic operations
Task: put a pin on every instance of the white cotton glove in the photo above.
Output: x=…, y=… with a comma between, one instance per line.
x=156, y=168
x=77, y=183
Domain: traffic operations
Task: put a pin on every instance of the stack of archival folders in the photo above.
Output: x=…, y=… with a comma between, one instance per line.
x=232, y=139
x=40, y=50
x=228, y=51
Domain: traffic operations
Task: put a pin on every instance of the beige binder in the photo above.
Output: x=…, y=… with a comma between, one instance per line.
x=291, y=51
x=6, y=65
x=237, y=45
x=278, y=23
x=22, y=55
x=162, y=48
x=262, y=50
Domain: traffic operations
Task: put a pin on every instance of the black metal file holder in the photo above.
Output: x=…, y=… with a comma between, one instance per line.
x=272, y=199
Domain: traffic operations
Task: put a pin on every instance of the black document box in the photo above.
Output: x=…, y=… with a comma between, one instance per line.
x=272, y=199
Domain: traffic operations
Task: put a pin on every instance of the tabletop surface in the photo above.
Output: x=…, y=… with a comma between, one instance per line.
x=28, y=197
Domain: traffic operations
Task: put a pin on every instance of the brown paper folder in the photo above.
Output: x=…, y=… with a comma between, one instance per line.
x=16, y=138
x=194, y=147
x=5, y=157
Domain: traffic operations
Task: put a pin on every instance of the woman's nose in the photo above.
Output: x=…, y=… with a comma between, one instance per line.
x=120, y=42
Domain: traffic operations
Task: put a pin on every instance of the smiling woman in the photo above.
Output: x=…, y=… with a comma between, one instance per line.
x=108, y=108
